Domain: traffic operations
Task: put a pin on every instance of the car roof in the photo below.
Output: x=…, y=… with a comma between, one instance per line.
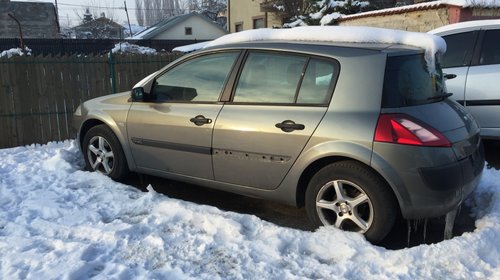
x=466, y=26
x=320, y=47
x=326, y=35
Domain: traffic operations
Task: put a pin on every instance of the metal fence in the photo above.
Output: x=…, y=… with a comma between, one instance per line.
x=39, y=94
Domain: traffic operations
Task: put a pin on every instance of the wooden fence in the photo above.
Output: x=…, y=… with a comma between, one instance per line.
x=38, y=95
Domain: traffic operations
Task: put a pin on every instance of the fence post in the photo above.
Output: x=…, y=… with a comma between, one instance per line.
x=111, y=62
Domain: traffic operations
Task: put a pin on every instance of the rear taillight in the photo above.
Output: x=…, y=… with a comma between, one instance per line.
x=403, y=129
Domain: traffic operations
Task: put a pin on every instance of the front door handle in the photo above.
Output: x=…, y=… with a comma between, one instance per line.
x=200, y=120
x=289, y=126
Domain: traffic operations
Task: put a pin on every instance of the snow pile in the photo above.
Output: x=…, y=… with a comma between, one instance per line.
x=327, y=19
x=125, y=47
x=15, y=52
x=345, y=34
x=297, y=22
x=58, y=222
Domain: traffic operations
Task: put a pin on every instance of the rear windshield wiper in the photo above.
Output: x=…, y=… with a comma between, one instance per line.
x=440, y=97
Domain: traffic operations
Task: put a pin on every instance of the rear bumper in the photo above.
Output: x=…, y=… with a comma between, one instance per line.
x=429, y=182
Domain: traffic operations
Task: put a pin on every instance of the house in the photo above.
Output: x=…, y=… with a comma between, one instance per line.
x=251, y=14
x=187, y=27
x=36, y=20
x=100, y=28
x=425, y=16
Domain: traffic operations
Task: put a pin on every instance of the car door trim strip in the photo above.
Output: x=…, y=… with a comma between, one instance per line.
x=172, y=146
x=489, y=102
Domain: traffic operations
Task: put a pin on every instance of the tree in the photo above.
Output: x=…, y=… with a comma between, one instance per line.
x=87, y=16
x=315, y=12
x=150, y=12
x=139, y=14
x=288, y=9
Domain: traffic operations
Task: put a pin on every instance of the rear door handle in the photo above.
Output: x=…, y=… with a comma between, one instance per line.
x=289, y=126
x=200, y=120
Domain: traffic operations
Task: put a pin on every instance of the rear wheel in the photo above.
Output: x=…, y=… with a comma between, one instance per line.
x=350, y=196
x=103, y=152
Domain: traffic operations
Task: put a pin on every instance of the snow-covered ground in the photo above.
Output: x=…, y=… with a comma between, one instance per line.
x=59, y=222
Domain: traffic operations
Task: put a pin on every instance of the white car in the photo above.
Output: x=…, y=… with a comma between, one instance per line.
x=473, y=55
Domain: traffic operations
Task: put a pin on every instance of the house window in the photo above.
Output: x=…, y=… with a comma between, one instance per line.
x=258, y=22
x=188, y=31
x=238, y=26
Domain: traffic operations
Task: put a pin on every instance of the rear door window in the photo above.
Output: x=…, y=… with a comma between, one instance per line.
x=490, y=50
x=459, y=48
x=272, y=78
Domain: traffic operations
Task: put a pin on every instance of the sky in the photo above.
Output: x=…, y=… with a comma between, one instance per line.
x=70, y=11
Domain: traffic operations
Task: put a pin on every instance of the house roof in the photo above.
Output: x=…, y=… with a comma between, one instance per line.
x=99, y=21
x=27, y=10
x=168, y=23
x=37, y=19
x=426, y=6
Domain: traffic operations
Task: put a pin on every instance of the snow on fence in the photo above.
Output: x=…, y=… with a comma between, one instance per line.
x=38, y=94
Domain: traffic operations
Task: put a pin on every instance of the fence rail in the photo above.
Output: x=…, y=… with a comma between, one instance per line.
x=39, y=94
x=86, y=46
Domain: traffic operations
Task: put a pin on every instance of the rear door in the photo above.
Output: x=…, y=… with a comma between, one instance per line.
x=482, y=93
x=456, y=60
x=278, y=101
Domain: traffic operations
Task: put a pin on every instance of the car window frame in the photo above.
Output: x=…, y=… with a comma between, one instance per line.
x=471, y=56
x=236, y=64
x=309, y=57
x=479, y=47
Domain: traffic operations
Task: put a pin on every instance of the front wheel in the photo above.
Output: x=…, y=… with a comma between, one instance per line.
x=350, y=196
x=103, y=152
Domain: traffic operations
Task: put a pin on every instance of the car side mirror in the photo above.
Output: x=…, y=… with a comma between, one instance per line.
x=137, y=94
x=449, y=76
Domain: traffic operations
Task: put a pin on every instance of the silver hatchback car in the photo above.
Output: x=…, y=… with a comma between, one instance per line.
x=473, y=56
x=358, y=133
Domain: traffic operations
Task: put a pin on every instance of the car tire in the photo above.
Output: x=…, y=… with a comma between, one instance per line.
x=351, y=197
x=103, y=153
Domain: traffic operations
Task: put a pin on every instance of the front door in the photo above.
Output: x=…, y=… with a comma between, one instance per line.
x=171, y=130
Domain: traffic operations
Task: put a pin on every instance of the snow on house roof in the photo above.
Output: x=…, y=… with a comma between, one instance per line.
x=168, y=23
x=341, y=34
x=426, y=6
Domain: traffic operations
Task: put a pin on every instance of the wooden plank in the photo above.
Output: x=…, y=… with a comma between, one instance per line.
x=50, y=96
x=31, y=128
x=5, y=104
x=68, y=96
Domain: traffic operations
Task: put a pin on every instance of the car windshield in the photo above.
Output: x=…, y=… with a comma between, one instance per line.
x=408, y=82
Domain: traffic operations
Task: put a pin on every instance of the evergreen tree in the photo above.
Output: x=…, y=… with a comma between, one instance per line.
x=87, y=16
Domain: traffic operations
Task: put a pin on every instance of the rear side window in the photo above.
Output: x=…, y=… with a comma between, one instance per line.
x=459, y=49
x=272, y=78
x=490, y=50
x=407, y=82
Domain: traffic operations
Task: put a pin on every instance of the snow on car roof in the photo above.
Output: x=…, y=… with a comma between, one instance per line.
x=190, y=47
x=341, y=34
x=475, y=24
